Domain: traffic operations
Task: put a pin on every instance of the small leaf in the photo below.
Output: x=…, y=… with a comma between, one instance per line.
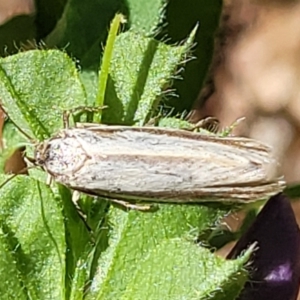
x=141, y=69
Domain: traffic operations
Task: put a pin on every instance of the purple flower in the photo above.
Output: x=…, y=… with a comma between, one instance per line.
x=274, y=267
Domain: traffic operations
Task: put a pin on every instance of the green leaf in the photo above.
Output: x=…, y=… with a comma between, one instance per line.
x=133, y=235
x=82, y=28
x=293, y=191
x=79, y=247
x=174, y=123
x=48, y=12
x=32, y=252
x=141, y=69
x=145, y=15
x=36, y=87
x=175, y=269
x=180, y=17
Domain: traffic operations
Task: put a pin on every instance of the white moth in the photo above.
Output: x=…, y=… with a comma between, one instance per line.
x=158, y=164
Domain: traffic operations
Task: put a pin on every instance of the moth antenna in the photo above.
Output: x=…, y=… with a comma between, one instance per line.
x=67, y=113
x=210, y=124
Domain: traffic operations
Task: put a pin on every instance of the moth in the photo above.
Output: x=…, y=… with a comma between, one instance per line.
x=152, y=164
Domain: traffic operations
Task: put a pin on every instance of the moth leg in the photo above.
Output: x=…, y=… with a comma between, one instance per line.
x=49, y=179
x=129, y=206
x=210, y=124
x=153, y=121
x=82, y=215
x=228, y=130
x=81, y=109
x=75, y=200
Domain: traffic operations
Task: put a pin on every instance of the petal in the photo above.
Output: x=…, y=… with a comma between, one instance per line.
x=274, y=267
